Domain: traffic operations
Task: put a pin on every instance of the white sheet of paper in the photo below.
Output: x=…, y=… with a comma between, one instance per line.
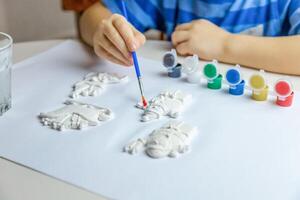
x=245, y=149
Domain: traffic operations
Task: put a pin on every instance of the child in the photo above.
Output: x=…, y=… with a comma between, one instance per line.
x=255, y=33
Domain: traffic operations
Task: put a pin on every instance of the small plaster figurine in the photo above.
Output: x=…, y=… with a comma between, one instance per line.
x=165, y=104
x=94, y=83
x=172, y=139
x=75, y=115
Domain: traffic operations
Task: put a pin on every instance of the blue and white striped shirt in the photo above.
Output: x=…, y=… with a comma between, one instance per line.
x=256, y=17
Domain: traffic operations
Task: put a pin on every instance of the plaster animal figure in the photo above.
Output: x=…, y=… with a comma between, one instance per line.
x=75, y=115
x=170, y=140
x=94, y=83
x=165, y=104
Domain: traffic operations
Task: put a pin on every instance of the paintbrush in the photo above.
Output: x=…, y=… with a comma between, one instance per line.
x=135, y=62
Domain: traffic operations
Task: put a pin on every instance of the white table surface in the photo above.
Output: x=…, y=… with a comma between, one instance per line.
x=19, y=182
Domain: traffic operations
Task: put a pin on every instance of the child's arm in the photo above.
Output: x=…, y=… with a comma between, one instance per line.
x=276, y=54
x=112, y=37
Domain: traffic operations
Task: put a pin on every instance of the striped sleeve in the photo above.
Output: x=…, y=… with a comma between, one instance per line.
x=294, y=17
x=142, y=17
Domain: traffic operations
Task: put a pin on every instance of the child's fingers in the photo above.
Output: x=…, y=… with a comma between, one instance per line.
x=102, y=53
x=182, y=49
x=110, y=48
x=126, y=32
x=179, y=37
x=113, y=35
x=183, y=27
x=140, y=38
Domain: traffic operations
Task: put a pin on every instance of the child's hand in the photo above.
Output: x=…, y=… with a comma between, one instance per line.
x=200, y=37
x=115, y=38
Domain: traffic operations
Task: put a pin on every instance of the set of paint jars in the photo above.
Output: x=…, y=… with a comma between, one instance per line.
x=257, y=82
x=283, y=89
x=233, y=78
x=190, y=66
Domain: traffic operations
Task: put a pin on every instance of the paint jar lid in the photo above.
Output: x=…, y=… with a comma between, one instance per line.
x=210, y=70
x=283, y=88
x=257, y=81
x=170, y=59
x=190, y=64
x=233, y=76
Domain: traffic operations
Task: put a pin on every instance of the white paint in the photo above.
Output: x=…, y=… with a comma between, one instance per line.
x=170, y=140
x=94, y=84
x=194, y=78
x=190, y=67
x=75, y=115
x=165, y=104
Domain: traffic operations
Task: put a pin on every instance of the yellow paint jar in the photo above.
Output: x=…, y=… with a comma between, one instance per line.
x=261, y=95
x=259, y=87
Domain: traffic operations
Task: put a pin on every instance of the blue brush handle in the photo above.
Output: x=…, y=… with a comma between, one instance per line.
x=136, y=64
x=135, y=60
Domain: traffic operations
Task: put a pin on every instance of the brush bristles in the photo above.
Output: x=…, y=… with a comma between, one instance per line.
x=145, y=103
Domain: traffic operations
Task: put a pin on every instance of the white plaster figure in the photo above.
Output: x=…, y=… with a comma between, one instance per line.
x=94, y=83
x=75, y=115
x=170, y=140
x=190, y=67
x=165, y=104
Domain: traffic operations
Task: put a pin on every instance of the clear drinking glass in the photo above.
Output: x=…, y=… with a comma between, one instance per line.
x=5, y=72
